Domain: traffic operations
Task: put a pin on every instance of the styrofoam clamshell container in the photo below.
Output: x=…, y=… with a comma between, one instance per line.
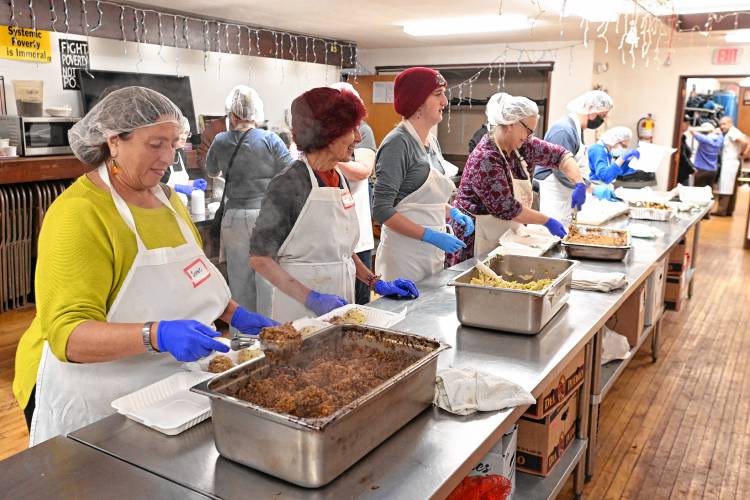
x=167, y=406
x=373, y=317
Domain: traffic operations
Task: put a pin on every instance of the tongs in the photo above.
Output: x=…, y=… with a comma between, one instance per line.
x=239, y=342
x=574, y=220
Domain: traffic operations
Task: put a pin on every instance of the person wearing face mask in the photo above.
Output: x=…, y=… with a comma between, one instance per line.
x=412, y=190
x=305, y=236
x=609, y=159
x=124, y=292
x=586, y=111
x=496, y=183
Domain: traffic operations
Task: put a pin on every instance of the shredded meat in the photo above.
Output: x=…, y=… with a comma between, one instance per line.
x=594, y=236
x=314, y=388
x=220, y=363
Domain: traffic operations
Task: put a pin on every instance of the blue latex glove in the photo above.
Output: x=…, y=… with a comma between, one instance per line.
x=397, y=288
x=200, y=184
x=604, y=193
x=323, y=303
x=187, y=339
x=579, y=196
x=250, y=323
x=629, y=155
x=463, y=219
x=444, y=241
x=555, y=228
x=183, y=188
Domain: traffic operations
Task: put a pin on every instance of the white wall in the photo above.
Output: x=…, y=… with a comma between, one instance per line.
x=571, y=75
x=277, y=81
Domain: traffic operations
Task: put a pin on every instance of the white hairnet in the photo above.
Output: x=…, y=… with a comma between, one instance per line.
x=345, y=86
x=121, y=111
x=505, y=109
x=616, y=135
x=245, y=103
x=184, y=125
x=593, y=101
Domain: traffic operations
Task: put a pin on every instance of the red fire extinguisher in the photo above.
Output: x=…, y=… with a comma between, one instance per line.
x=646, y=128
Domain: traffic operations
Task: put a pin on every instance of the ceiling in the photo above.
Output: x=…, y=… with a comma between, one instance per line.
x=378, y=24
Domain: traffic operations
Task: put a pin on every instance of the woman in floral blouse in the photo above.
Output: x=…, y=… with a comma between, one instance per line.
x=495, y=186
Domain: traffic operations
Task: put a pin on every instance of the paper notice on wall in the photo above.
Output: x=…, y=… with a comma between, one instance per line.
x=24, y=44
x=382, y=92
x=74, y=55
x=652, y=156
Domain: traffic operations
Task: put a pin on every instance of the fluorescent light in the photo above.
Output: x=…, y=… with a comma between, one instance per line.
x=660, y=8
x=462, y=25
x=596, y=11
x=738, y=36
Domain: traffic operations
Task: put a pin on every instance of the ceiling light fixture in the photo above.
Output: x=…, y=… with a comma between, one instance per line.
x=738, y=36
x=463, y=25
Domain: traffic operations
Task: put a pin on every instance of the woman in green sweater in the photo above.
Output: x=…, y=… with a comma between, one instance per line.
x=124, y=291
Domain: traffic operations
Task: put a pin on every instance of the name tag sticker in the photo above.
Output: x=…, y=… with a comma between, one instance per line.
x=197, y=272
x=347, y=199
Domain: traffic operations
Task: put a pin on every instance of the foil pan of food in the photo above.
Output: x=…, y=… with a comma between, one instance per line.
x=314, y=405
x=523, y=297
x=649, y=210
x=592, y=242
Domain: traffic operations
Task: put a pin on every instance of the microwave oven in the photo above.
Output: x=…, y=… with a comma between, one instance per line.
x=37, y=136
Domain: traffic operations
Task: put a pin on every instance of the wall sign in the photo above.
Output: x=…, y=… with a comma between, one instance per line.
x=24, y=44
x=727, y=55
x=74, y=55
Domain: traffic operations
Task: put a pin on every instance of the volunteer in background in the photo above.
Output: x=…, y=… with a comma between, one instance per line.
x=304, y=239
x=412, y=189
x=586, y=111
x=610, y=156
x=255, y=156
x=121, y=276
x=736, y=145
x=707, y=153
x=177, y=175
x=496, y=182
x=357, y=171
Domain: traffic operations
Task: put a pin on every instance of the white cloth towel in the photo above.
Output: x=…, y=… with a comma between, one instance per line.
x=614, y=346
x=463, y=392
x=601, y=282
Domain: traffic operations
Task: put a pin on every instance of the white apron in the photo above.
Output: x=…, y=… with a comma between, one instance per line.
x=489, y=228
x=554, y=197
x=730, y=163
x=318, y=250
x=162, y=284
x=361, y=194
x=399, y=256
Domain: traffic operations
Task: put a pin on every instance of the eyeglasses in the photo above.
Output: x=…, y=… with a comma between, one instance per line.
x=530, y=131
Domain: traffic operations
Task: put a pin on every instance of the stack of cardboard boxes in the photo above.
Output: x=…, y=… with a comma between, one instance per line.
x=677, y=269
x=548, y=428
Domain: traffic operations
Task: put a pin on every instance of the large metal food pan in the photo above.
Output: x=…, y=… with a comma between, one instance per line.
x=597, y=252
x=313, y=452
x=516, y=311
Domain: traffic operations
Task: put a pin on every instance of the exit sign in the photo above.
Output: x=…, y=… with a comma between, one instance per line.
x=727, y=55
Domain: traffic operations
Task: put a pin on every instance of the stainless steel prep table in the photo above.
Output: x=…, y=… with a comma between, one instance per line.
x=61, y=467
x=429, y=456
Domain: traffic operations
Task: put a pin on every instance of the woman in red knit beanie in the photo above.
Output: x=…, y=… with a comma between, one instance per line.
x=304, y=238
x=413, y=184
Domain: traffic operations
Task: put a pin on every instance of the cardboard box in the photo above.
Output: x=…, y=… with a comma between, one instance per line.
x=679, y=257
x=501, y=460
x=629, y=319
x=676, y=291
x=558, y=390
x=542, y=442
x=655, y=288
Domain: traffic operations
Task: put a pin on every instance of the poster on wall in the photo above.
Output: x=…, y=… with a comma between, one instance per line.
x=24, y=44
x=74, y=55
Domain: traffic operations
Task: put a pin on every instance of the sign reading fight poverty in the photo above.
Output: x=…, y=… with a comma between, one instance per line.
x=23, y=44
x=74, y=55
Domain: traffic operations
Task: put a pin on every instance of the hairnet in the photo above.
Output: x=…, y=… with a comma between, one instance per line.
x=593, y=101
x=505, y=109
x=616, y=135
x=245, y=103
x=345, y=86
x=120, y=111
x=184, y=125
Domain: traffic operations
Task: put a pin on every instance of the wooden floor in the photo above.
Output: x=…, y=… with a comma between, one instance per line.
x=678, y=428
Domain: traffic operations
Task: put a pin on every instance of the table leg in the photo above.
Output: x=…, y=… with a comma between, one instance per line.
x=593, y=413
x=694, y=258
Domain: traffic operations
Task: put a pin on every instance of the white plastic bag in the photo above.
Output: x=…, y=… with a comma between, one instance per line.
x=614, y=346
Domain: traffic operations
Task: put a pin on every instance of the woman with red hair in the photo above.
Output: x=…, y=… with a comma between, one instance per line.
x=304, y=239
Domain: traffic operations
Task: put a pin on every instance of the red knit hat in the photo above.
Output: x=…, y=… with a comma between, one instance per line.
x=322, y=115
x=412, y=87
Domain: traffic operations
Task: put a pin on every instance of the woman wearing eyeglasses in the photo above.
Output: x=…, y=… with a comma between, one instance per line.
x=495, y=186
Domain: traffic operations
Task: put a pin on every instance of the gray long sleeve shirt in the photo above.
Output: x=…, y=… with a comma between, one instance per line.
x=401, y=168
x=563, y=133
x=261, y=156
